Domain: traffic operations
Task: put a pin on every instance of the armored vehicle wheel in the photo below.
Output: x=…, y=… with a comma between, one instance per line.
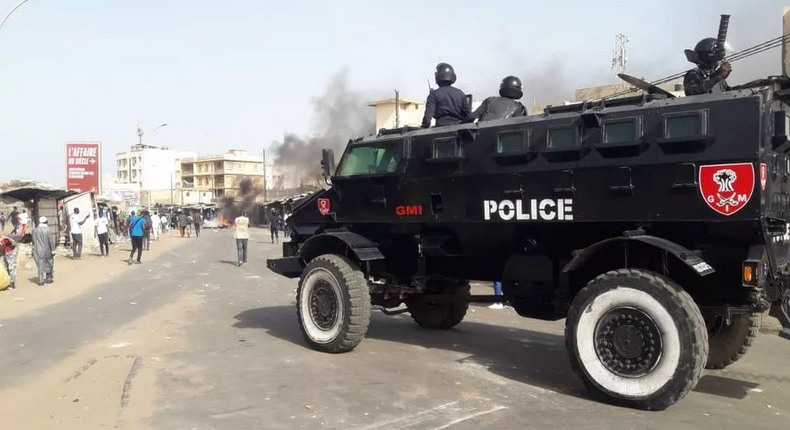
x=333, y=304
x=440, y=315
x=728, y=343
x=636, y=338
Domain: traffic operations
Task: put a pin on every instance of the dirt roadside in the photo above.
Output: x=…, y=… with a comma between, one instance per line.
x=73, y=278
x=105, y=384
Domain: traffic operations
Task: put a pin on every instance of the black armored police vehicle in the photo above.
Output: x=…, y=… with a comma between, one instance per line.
x=657, y=226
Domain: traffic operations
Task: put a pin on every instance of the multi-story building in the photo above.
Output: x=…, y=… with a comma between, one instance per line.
x=151, y=167
x=221, y=174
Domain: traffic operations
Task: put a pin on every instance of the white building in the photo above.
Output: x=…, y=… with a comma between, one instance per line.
x=285, y=177
x=151, y=167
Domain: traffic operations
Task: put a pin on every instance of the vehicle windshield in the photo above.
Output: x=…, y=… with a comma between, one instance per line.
x=381, y=157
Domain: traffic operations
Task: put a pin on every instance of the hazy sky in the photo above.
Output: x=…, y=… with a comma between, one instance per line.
x=239, y=73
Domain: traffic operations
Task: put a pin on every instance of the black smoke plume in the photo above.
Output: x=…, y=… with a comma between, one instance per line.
x=339, y=114
x=243, y=202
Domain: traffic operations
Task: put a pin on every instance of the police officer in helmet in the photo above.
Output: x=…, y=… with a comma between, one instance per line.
x=711, y=71
x=447, y=104
x=504, y=106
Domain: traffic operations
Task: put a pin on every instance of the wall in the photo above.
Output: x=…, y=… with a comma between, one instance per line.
x=284, y=177
x=128, y=194
x=176, y=197
x=152, y=168
x=159, y=167
x=410, y=114
x=86, y=204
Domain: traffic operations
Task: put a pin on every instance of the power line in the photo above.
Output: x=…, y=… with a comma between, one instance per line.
x=746, y=53
x=8, y=15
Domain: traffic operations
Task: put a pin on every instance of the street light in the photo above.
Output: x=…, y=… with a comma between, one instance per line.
x=141, y=132
x=18, y=5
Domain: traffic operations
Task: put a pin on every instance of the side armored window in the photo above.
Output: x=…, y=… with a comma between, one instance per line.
x=446, y=147
x=685, y=124
x=563, y=137
x=510, y=142
x=621, y=130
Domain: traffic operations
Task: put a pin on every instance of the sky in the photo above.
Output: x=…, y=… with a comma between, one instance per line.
x=241, y=73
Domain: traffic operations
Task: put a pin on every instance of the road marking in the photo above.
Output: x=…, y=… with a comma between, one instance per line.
x=440, y=417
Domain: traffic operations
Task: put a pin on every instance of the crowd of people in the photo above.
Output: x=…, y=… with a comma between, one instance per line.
x=139, y=227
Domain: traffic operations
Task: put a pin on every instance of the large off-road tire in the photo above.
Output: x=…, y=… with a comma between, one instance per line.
x=440, y=315
x=728, y=343
x=333, y=304
x=636, y=338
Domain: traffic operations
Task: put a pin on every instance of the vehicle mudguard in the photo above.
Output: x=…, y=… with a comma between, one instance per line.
x=690, y=258
x=342, y=242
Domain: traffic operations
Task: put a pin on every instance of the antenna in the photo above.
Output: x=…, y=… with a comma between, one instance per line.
x=619, y=53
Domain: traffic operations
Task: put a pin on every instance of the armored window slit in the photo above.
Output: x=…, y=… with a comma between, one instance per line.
x=513, y=142
x=446, y=148
x=620, y=131
x=688, y=124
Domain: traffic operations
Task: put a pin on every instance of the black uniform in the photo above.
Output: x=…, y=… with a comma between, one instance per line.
x=499, y=108
x=704, y=80
x=712, y=70
x=448, y=105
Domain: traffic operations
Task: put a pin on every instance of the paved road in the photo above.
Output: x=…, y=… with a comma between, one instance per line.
x=245, y=366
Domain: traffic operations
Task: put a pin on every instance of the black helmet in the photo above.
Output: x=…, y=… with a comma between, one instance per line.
x=706, y=52
x=511, y=88
x=444, y=74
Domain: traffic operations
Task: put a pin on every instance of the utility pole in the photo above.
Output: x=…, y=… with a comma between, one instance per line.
x=264, y=175
x=397, y=109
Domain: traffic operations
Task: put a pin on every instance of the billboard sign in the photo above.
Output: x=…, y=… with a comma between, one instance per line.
x=83, y=166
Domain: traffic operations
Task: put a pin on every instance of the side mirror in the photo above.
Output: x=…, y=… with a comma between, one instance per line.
x=328, y=163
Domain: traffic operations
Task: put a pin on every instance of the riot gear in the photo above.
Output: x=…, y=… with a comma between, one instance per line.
x=707, y=52
x=711, y=71
x=511, y=88
x=445, y=74
x=447, y=104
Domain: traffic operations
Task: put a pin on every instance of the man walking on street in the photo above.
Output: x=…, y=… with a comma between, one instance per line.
x=136, y=224
x=242, y=235
x=274, y=224
x=76, y=233
x=165, y=223
x=24, y=220
x=14, y=215
x=2, y=222
x=182, y=222
x=147, y=230
x=103, y=233
x=43, y=252
x=197, y=219
x=156, y=225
